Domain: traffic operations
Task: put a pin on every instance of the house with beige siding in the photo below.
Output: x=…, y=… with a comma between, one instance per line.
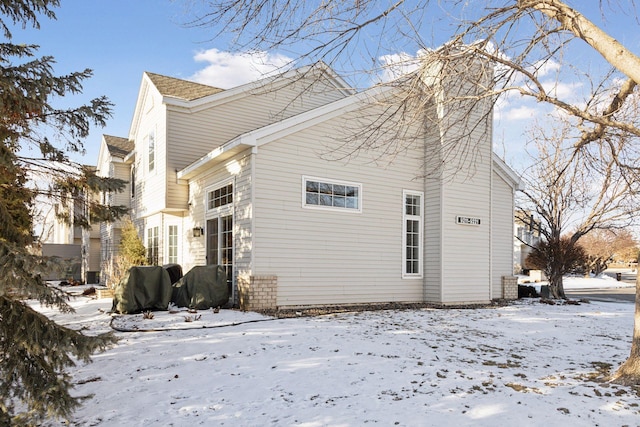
x=112, y=164
x=271, y=181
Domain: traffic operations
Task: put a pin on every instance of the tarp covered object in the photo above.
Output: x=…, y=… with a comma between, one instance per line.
x=204, y=286
x=141, y=289
x=175, y=272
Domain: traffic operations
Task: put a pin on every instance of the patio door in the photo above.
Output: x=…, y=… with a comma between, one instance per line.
x=220, y=246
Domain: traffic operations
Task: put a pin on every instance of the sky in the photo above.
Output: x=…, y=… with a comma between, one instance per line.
x=120, y=39
x=525, y=364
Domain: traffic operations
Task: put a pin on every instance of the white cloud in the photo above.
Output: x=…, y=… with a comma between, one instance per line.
x=543, y=69
x=396, y=65
x=228, y=69
x=566, y=91
x=522, y=112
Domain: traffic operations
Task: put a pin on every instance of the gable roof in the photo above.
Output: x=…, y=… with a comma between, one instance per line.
x=508, y=174
x=181, y=89
x=117, y=146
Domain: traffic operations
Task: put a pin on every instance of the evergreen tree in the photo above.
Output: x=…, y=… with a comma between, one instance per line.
x=35, y=352
x=131, y=252
x=132, y=249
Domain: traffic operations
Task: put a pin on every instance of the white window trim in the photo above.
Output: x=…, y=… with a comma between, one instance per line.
x=151, y=172
x=214, y=187
x=420, y=219
x=178, y=241
x=149, y=235
x=306, y=178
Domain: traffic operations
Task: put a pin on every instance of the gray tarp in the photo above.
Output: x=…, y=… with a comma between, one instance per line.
x=141, y=289
x=204, y=286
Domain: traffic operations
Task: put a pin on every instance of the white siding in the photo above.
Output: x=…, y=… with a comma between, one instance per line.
x=331, y=257
x=501, y=233
x=150, y=186
x=466, y=249
x=458, y=266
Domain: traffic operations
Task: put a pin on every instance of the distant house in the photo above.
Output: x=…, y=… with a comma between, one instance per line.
x=112, y=164
x=253, y=178
x=67, y=240
x=527, y=236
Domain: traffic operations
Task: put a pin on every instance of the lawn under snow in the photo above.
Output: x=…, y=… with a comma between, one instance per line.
x=527, y=364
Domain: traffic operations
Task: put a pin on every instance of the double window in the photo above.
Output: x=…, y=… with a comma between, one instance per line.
x=329, y=194
x=172, y=247
x=412, y=234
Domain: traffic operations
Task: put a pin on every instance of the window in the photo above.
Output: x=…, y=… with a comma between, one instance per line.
x=220, y=197
x=412, y=235
x=220, y=245
x=322, y=193
x=133, y=182
x=172, y=247
x=151, y=150
x=152, y=245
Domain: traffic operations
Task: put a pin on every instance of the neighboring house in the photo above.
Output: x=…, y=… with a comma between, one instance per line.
x=111, y=164
x=527, y=236
x=260, y=180
x=69, y=241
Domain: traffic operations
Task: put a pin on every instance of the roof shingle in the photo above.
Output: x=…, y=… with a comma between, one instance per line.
x=118, y=147
x=182, y=89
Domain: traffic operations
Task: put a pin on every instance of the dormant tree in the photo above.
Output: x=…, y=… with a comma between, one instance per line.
x=521, y=37
x=572, y=196
x=604, y=246
x=35, y=352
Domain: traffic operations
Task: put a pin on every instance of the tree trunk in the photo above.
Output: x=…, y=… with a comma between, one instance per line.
x=556, y=288
x=629, y=372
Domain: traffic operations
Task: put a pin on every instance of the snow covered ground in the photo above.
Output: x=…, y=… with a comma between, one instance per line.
x=527, y=364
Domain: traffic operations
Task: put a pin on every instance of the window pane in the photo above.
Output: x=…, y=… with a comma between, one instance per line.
x=312, y=186
x=352, y=202
x=326, y=200
x=326, y=188
x=339, y=190
x=313, y=199
x=339, y=201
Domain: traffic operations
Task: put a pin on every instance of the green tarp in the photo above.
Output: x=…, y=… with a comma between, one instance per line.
x=141, y=289
x=203, y=287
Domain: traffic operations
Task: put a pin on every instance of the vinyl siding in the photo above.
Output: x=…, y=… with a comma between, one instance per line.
x=330, y=256
x=243, y=212
x=150, y=187
x=122, y=171
x=466, y=248
x=502, y=233
x=459, y=256
x=194, y=133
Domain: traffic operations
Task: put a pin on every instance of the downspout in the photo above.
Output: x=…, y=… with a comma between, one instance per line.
x=234, y=265
x=254, y=151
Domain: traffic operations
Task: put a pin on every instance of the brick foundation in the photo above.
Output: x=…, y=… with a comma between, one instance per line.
x=509, y=287
x=257, y=292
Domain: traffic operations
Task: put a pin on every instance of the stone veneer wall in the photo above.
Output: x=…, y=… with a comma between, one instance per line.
x=509, y=287
x=257, y=292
